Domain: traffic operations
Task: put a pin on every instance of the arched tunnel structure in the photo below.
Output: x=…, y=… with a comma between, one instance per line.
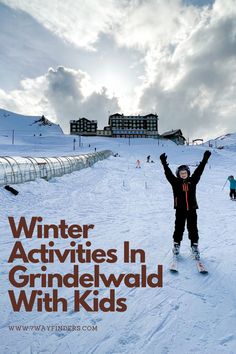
x=17, y=169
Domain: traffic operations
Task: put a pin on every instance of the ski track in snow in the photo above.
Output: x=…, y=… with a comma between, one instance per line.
x=191, y=311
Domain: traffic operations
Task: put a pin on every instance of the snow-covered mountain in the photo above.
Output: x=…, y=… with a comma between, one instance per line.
x=26, y=125
x=227, y=141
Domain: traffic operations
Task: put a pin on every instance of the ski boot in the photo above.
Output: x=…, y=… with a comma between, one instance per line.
x=195, y=251
x=176, y=249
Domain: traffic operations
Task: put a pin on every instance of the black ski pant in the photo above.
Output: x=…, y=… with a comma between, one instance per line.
x=181, y=216
x=232, y=193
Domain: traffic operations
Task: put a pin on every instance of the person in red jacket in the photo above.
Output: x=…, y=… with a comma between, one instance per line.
x=185, y=202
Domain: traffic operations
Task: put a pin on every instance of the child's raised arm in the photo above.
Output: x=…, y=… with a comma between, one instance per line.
x=199, y=170
x=169, y=175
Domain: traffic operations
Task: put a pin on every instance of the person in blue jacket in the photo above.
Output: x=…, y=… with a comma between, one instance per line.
x=232, y=192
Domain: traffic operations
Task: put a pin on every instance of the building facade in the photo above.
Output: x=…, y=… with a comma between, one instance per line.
x=104, y=132
x=83, y=126
x=133, y=126
x=175, y=135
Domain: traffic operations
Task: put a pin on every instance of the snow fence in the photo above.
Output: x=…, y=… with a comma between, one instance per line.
x=16, y=169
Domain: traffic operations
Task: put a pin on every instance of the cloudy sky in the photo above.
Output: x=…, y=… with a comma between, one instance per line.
x=67, y=59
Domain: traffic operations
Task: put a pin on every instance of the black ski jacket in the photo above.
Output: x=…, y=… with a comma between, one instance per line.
x=184, y=191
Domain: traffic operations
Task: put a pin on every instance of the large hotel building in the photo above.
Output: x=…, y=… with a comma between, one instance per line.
x=119, y=126
x=133, y=126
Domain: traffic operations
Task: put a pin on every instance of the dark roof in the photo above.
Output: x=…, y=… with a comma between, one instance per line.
x=116, y=114
x=88, y=120
x=151, y=114
x=173, y=132
x=135, y=116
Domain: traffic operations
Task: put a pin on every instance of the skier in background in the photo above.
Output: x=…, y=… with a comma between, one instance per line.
x=138, y=164
x=148, y=158
x=232, y=192
x=185, y=203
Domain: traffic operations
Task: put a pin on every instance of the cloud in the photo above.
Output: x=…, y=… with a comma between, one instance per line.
x=156, y=24
x=78, y=22
x=189, y=57
x=61, y=95
x=66, y=90
x=169, y=57
x=28, y=49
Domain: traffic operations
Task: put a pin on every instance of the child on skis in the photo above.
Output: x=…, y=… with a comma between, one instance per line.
x=232, y=192
x=185, y=203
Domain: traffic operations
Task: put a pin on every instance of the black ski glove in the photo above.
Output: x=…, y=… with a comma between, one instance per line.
x=163, y=159
x=206, y=155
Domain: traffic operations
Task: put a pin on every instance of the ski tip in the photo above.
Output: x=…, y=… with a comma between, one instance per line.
x=201, y=268
x=203, y=271
x=172, y=270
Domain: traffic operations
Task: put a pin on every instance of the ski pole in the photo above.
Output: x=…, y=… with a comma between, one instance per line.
x=224, y=184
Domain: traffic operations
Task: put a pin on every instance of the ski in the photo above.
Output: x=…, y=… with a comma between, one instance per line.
x=174, y=265
x=196, y=256
x=200, y=266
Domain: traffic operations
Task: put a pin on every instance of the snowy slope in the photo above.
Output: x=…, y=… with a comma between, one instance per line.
x=191, y=313
x=227, y=141
x=26, y=125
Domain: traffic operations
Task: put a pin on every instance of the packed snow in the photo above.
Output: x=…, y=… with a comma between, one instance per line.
x=14, y=125
x=191, y=313
x=226, y=141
